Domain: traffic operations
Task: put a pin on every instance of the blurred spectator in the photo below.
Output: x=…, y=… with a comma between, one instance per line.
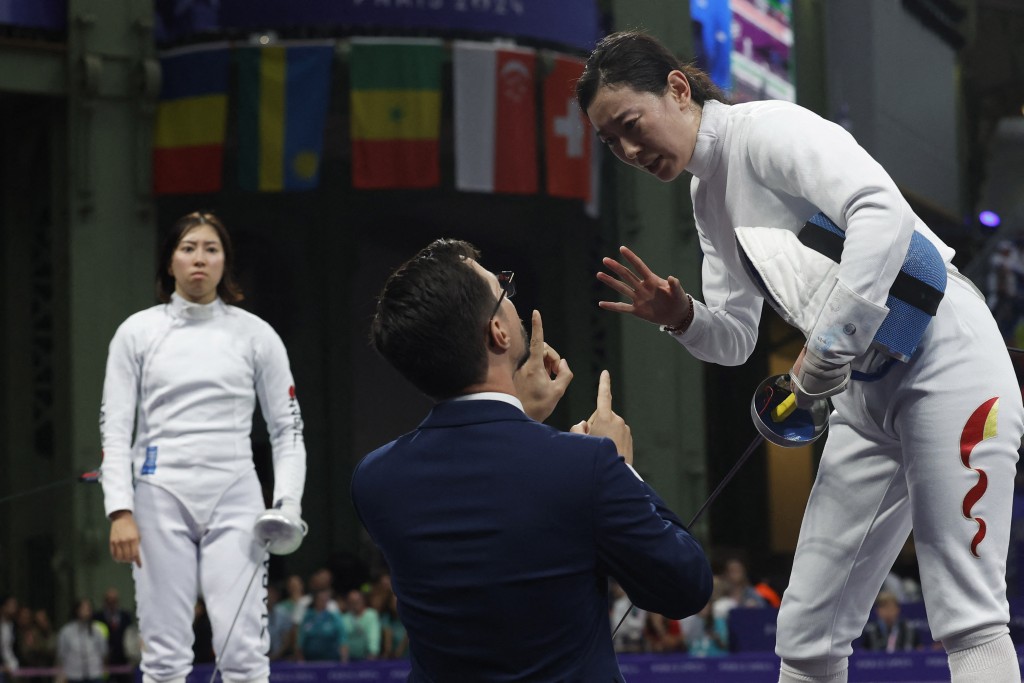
x=133, y=644
x=8, y=635
x=771, y=596
x=279, y=625
x=887, y=631
x=705, y=634
x=893, y=584
x=393, y=634
x=294, y=591
x=362, y=628
x=45, y=652
x=202, y=646
x=321, y=579
x=380, y=593
x=117, y=621
x=322, y=634
x=1005, y=268
x=36, y=644
x=737, y=590
x=630, y=634
x=663, y=634
x=82, y=646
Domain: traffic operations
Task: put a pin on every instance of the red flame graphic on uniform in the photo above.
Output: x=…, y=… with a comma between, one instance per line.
x=980, y=426
x=291, y=391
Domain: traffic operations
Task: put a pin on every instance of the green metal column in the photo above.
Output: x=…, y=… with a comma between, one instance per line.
x=810, y=72
x=114, y=81
x=661, y=386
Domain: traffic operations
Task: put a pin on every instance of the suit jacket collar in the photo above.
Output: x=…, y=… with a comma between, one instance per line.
x=458, y=413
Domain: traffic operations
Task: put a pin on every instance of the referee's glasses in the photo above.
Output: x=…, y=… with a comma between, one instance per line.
x=508, y=289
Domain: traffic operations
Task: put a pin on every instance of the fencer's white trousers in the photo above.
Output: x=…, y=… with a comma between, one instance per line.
x=184, y=558
x=931, y=447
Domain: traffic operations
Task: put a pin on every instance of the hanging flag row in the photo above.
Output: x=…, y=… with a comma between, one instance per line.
x=283, y=97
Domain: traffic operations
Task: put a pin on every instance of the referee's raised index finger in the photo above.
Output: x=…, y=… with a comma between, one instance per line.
x=536, y=333
x=604, y=391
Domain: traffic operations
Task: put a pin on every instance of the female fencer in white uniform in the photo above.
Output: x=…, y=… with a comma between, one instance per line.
x=924, y=440
x=179, y=483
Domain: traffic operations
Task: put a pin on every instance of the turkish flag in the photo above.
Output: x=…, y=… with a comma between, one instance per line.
x=567, y=139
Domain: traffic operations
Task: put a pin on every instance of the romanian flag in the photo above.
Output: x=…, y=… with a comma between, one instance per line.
x=396, y=112
x=191, y=116
x=284, y=91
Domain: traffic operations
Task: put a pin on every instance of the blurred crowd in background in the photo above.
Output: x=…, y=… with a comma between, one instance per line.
x=316, y=619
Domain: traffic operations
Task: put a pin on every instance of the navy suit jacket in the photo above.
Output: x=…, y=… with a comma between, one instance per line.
x=500, y=533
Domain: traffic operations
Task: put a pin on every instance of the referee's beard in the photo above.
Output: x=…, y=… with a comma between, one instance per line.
x=526, y=345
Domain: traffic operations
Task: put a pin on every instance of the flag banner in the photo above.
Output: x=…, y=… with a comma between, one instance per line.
x=495, y=118
x=191, y=117
x=396, y=112
x=567, y=136
x=283, y=97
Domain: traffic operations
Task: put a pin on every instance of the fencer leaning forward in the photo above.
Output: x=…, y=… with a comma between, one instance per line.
x=927, y=421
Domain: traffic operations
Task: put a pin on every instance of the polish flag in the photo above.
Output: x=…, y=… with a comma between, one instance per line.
x=495, y=118
x=567, y=136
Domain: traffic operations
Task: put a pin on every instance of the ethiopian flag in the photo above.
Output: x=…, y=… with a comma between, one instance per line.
x=191, y=118
x=396, y=112
x=284, y=91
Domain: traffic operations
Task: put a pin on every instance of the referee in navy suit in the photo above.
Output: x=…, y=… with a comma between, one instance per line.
x=501, y=532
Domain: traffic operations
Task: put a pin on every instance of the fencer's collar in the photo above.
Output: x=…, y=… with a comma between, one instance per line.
x=186, y=310
x=708, y=150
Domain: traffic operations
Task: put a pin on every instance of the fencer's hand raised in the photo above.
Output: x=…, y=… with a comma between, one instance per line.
x=124, y=538
x=651, y=297
x=605, y=422
x=542, y=380
x=815, y=378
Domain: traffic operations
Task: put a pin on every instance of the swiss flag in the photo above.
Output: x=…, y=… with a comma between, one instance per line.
x=567, y=141
x=495, y=119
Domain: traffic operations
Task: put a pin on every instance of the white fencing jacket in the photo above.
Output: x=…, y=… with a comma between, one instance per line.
x=183, y=378
x=775, y=164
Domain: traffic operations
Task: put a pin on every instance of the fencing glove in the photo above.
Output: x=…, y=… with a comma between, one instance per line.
x=818, y=379
x=281, y=528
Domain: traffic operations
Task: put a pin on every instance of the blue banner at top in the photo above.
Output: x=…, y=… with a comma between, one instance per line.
x=48, y=14
x=572, y=23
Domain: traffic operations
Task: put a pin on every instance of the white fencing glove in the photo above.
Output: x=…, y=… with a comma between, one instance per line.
x=818, y=379
x=281, y=528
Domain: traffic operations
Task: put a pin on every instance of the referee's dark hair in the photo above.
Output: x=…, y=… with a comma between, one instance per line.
x=431, y=319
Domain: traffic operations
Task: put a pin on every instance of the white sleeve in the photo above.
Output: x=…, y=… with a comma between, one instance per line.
x=803, y=155
x=117, y=421
x=275, y=390
x=724, y=327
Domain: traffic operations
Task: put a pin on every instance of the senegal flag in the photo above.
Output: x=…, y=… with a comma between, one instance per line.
x=396, y=112
x=284, y=91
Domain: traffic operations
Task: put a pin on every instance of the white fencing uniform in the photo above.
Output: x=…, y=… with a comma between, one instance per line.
x=899, y=453
x=184, y=378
